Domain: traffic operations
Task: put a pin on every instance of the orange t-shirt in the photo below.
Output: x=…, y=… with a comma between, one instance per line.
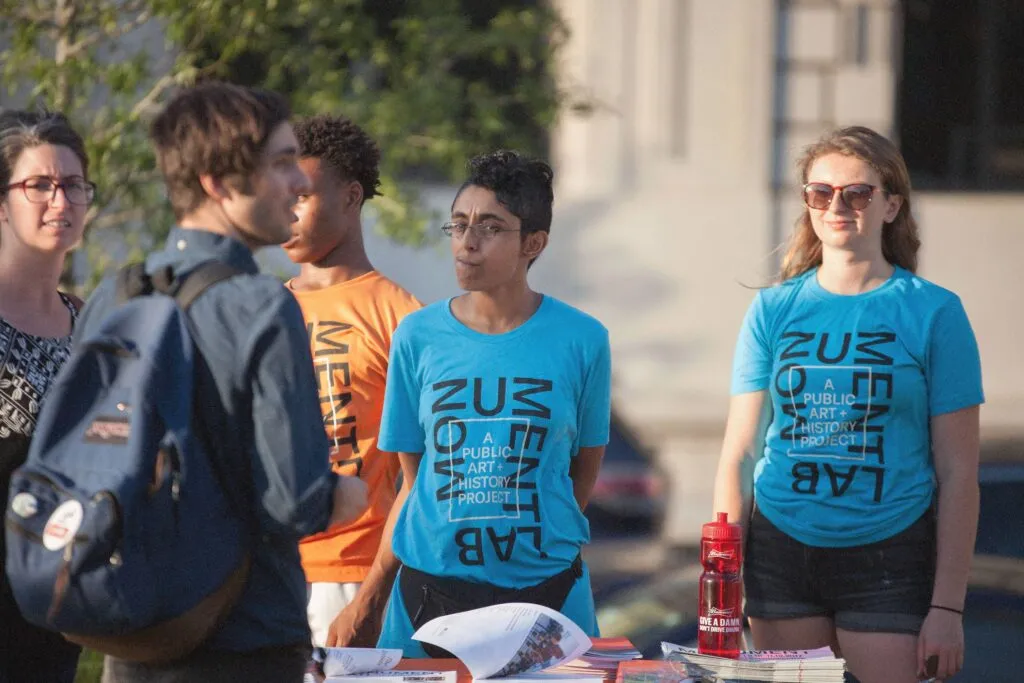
x=350, y=326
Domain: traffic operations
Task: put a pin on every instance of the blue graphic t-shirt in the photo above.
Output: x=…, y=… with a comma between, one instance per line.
x=853, y=381
x=498, y=419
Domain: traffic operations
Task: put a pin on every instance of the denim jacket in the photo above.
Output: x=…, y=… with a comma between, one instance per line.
x=260, y=406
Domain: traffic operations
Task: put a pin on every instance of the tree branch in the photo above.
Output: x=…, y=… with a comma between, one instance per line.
x=66, y=31
x=103, y=220
x=131, y=7
x=120, y=31
x=149, y=100
x=102, y=216
x=424, y=141
x=33, y=15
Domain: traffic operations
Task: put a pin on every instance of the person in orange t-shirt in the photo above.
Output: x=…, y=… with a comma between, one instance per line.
x=351, y=311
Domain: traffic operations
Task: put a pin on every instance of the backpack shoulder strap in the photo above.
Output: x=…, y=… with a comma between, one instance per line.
x=132, y=281
x=204, y=276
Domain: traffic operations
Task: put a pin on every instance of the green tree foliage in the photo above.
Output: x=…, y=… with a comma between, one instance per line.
x=434, y=81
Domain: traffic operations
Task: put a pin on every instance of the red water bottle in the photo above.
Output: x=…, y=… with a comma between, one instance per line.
x=720, y=622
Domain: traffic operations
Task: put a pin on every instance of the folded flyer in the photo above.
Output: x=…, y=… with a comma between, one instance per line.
x=394, y=676
x=367, y=665
x=507, y=640
x=343, y=661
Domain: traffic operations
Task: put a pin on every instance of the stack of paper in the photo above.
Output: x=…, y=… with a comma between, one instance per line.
x=601, y=660
x=653, y=671
x=366, y=665
x=618, y=649
x=779, y=666
x=513, y=643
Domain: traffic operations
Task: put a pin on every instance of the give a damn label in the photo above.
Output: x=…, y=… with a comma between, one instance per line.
x=720, y=620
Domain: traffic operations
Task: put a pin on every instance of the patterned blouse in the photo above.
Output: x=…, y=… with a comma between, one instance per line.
x=27, y=366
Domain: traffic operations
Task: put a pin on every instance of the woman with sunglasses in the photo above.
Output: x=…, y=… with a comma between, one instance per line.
x=498, y=406
x=854, y=413
x=44, y=198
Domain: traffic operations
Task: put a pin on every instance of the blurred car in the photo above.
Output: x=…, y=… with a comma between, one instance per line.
x=629, y=487
x=664, y=607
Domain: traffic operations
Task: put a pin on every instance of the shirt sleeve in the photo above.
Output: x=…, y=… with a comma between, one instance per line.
x=596, y=399
x=400, y=428
x=291, y=475
x=954, y=364
x=752, y=361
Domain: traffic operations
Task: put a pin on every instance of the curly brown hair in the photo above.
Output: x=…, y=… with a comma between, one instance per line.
x=344, y=147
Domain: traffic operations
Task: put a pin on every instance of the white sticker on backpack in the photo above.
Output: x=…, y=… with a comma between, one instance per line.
x=63, y=524
x=24, y=505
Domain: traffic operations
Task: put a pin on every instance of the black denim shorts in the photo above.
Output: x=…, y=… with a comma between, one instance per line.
x=882, y=587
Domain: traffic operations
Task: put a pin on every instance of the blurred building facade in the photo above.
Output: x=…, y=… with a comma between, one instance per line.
x=677, y=184
x=676, y=187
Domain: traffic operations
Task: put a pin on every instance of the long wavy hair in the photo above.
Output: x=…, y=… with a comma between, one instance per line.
x=900, y=240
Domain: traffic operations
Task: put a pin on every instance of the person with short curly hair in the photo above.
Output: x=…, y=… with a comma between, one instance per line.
x=351, y=311
x=498, y=408
x=343, y=147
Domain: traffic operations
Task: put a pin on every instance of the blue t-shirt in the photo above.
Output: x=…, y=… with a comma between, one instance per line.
x=498, y=419
x=853, y=381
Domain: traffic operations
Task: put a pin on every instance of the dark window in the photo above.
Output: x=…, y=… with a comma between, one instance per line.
x=993, y=630
x=961, y=94
x=1000, y=524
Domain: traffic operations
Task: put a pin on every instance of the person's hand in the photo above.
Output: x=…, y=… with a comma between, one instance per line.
x=941, y=638
x=358, y=625
x=350, y=499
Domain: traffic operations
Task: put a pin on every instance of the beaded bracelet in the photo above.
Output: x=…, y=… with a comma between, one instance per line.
x=948, y=609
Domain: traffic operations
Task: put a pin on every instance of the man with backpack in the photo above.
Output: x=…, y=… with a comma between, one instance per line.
x=229, y=159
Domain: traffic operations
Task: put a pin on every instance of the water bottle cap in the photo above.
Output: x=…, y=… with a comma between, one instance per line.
x=722, y=530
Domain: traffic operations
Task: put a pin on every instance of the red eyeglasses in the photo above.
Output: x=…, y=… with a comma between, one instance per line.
x=856, y=196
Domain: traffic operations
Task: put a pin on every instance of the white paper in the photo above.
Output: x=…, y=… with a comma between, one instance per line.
x=343, y=661
x=508, y=639
x=395, y=677
x=551, y=677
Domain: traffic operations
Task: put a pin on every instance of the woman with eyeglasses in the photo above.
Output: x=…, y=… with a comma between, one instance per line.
x=855, y=397
x=44, y=197
x=498, y=408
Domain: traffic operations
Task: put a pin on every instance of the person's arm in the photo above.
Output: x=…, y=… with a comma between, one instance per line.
x=953, y=368
x=359, y=624
x=745, y=428
x=593, y=417
x=291, y=476
x=750, y=413
x=583, y=471
x=955, y=449
x=349, y=500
